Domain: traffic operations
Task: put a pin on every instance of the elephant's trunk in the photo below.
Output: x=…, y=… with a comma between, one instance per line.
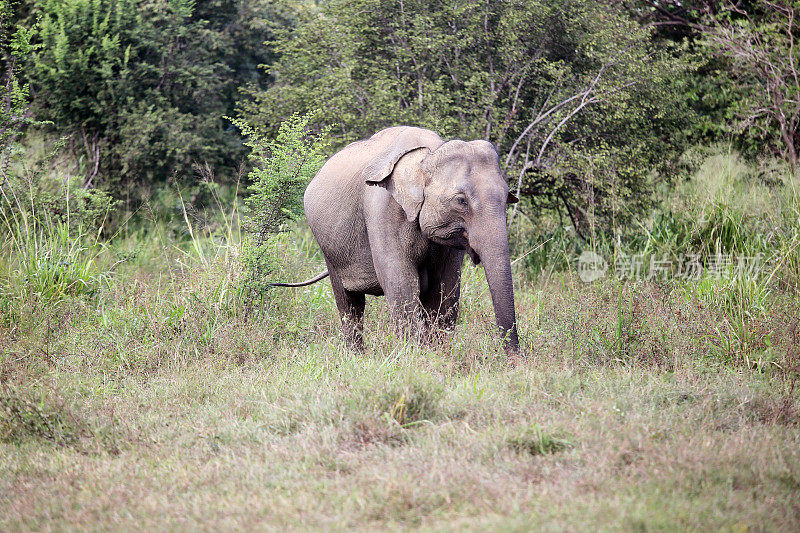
x=490, y=241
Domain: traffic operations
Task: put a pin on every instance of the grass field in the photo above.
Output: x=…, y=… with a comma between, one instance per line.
x=157, y=404
x=140, y=388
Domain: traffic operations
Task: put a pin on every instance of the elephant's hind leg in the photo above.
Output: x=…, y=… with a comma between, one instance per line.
x=351, y=311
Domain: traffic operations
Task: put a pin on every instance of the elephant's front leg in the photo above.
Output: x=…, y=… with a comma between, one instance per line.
x=399, y=279
x=396, y=245
x=400, y=283
x=440, y=300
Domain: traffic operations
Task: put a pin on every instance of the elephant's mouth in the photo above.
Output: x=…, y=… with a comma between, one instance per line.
x=454, y=238
x=458, y=238
x=476, y=259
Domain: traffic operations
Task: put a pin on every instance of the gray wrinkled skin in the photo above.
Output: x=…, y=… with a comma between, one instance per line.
x=395, y=214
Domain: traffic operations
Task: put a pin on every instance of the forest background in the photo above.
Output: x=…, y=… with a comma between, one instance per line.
x=153, y=156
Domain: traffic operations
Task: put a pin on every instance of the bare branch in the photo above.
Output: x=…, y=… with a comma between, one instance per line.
x=542, y=116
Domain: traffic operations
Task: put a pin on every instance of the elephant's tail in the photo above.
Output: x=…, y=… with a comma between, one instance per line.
x=302, y=283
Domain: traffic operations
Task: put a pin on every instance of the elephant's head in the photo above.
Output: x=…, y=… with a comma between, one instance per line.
x=459, y=196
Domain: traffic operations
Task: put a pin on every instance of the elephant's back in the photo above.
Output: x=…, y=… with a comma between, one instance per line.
x=334, y=208
x=338, y=177
x=332, y=204
x=333, y=197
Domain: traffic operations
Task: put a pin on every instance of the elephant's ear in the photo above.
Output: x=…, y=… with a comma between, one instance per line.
x=405, y=181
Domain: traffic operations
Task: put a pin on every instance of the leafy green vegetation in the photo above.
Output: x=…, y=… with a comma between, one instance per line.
x=15, y=44
x=282, y=170
x=140, y=87
x=150, y=378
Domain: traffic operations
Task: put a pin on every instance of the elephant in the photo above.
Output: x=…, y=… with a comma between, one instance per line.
x=395, y=215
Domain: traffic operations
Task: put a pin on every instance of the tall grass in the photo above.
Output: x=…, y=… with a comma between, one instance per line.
x=733, y=208
x=730, y=213
x=45, y=257
x=215, y=244
x=727, y=207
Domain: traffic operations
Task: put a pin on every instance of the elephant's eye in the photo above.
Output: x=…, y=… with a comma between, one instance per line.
x=462, y=200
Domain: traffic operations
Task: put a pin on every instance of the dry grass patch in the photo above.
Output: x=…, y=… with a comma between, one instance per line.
x=44, y=416
x=615, y=415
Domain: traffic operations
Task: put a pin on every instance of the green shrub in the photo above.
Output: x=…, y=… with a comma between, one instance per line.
x=140, y=87
x=51, y=245
x=282, y=169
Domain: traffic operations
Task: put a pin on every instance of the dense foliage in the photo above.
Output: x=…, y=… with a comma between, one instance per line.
x=141, y=86
x=15, y=44
x=759, y=46
x=581, y=104
x=745, y=86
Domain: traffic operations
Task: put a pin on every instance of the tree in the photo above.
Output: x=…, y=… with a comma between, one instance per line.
x=579, y=102
x=15, y=44
x=282, y=168
x=141, y=86
x=759, y=44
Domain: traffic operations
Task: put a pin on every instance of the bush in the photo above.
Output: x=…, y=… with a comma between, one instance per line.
x=50, y=225
x=140, y=87
x=282, y=169
x=51, y=242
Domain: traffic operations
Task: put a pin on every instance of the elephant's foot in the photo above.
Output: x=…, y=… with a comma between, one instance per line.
x=352, y=329
x=354, y=343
